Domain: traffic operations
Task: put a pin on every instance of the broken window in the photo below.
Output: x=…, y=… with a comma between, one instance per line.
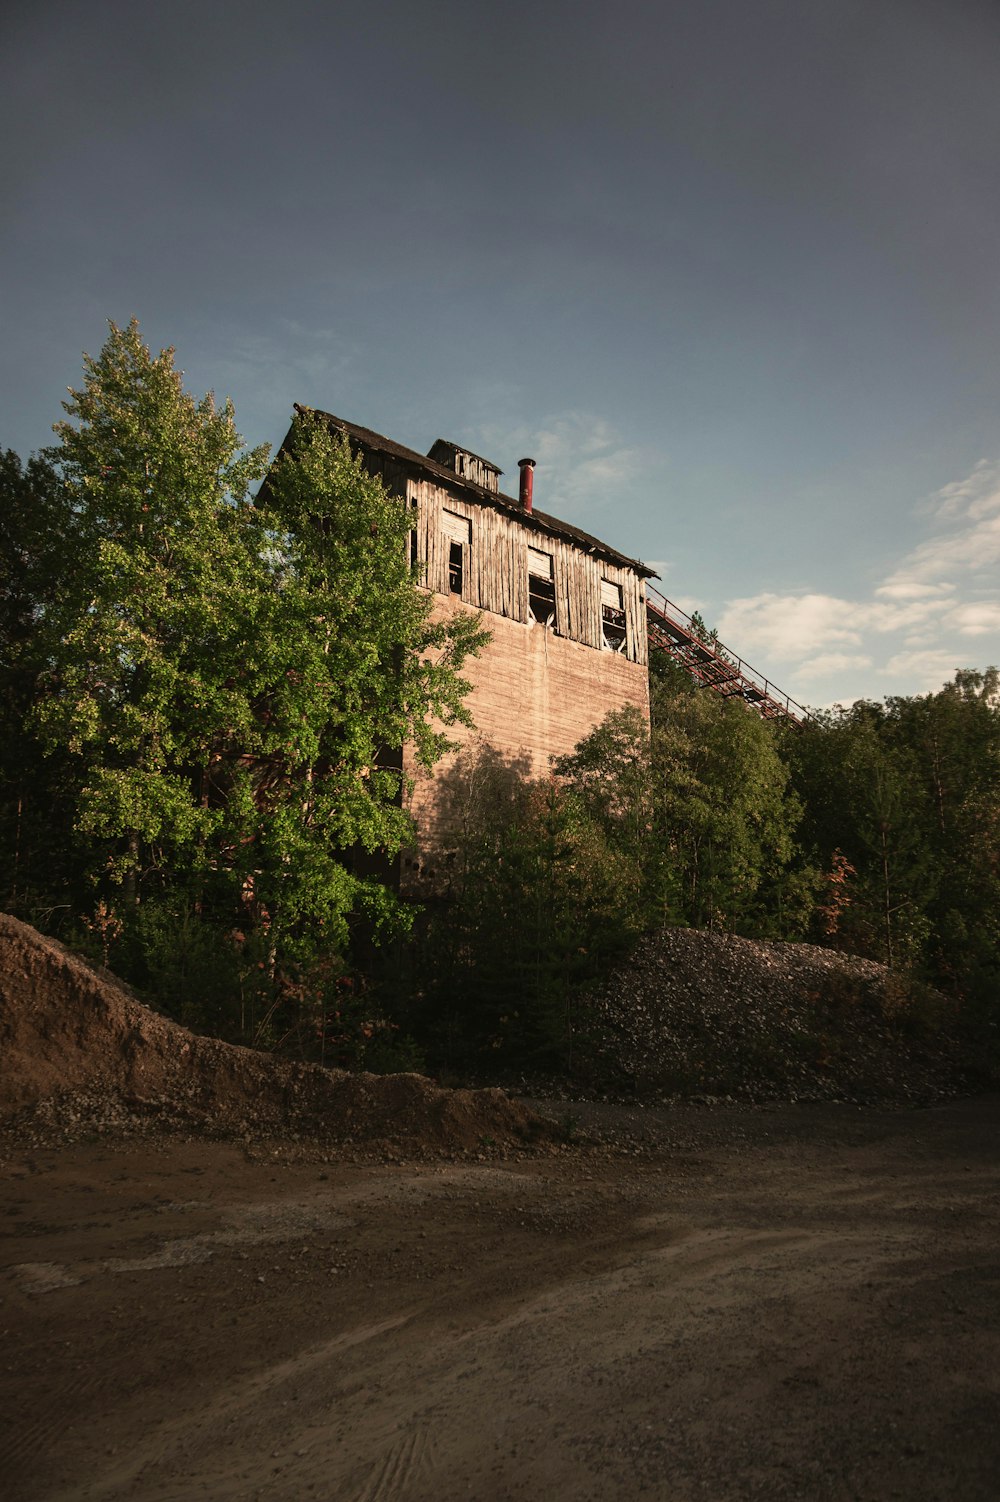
x=541, y=588
x=455, y=568
x=612, y=616
x=458, y=532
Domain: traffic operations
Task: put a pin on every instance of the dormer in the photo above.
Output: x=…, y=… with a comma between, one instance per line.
x=466, y=465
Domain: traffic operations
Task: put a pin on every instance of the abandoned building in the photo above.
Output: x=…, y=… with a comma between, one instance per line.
x=567, y=612
x=571, y=618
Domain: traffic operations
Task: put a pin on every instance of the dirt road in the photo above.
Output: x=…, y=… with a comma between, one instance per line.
x=795, y=1302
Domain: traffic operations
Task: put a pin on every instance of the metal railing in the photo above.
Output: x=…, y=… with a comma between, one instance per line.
x=711, y=663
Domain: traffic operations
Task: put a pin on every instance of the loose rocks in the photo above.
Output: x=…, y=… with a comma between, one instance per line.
x=711, y=1015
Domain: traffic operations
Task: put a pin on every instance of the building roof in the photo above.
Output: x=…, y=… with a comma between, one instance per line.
x=539, y=521
x=451, y=448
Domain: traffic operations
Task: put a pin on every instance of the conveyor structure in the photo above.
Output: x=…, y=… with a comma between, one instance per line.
x=713, y=665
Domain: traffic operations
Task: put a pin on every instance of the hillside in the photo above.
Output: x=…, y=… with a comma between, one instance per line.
x=79, y=1050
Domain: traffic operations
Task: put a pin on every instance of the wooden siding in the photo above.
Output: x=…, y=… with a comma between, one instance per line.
x=536, y=692
x=495, y=564
x=495, y=570
x=466, y=465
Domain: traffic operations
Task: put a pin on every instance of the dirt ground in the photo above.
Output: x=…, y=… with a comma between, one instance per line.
x=725, y=1303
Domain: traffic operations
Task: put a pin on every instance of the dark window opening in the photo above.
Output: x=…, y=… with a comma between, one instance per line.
x=541, y=599
x=612, y=616
x=614, y=628
x=413, y=536
x=455, y=568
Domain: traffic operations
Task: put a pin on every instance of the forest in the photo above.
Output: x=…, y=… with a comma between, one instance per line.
x=204, y=674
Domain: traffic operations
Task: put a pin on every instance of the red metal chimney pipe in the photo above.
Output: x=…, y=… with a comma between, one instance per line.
x=527, y=468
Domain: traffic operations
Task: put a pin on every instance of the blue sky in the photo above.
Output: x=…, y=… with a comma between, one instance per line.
x=728, y=271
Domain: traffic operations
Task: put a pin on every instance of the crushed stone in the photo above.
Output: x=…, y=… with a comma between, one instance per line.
x=712, y=1017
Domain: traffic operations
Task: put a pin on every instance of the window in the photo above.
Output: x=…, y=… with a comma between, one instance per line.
x=458, y=533
x=612, y=616
x=456, y=568
x=541, y=589
x=413, y=533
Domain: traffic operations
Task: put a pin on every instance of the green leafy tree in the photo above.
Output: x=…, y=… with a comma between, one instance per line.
x=231, y=682
x=700, y=807
x=351, y=666
x=37, y=794
x=146, y=637
x=728, y=815
x=538, y=904
x=909, y=793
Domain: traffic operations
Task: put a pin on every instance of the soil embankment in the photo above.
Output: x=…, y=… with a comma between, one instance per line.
x=78, y=1052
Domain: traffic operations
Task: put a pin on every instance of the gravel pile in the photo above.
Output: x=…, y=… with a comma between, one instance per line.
x=710, y=1016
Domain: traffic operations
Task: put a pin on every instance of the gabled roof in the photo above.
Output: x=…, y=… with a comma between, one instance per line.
x=538, y=521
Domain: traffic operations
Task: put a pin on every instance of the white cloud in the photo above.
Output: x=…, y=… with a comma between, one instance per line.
x=929, y=669
x=936, y=609
x=966, y=547
x=977, y=618
x=789, y=626
x=826, y=663
x=935, y=566
x=906, y=615
x=900, y=588
x=981, y=483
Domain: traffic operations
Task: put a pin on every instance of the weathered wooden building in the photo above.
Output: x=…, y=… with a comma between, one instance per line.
x=567, y=612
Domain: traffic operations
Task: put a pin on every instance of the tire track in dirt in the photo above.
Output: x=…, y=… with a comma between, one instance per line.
x=185, y=1436
x=404, y=1463
x=20, y=1452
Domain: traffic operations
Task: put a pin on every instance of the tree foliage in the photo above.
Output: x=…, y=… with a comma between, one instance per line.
x=908, y=793
x=37, y=793
x=350, y=667
x=538, y=903
x=701, y=807
x=225, y=684
x=145, y=639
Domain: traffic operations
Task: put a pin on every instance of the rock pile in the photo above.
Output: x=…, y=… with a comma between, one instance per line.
x=714, y=1015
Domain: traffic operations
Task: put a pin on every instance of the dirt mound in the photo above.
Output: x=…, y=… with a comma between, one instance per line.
x=78, y=1050
x=762, y=1020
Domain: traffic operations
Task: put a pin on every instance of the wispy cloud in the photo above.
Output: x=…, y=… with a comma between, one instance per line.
x=931, y=666
x=939, y=606
x=978, y=618
x=959, y=496
x=965, y=550
x=827, y=663
x=581, y=461
x=259, y=364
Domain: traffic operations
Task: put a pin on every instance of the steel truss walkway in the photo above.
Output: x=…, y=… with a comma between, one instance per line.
x=711, y=664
